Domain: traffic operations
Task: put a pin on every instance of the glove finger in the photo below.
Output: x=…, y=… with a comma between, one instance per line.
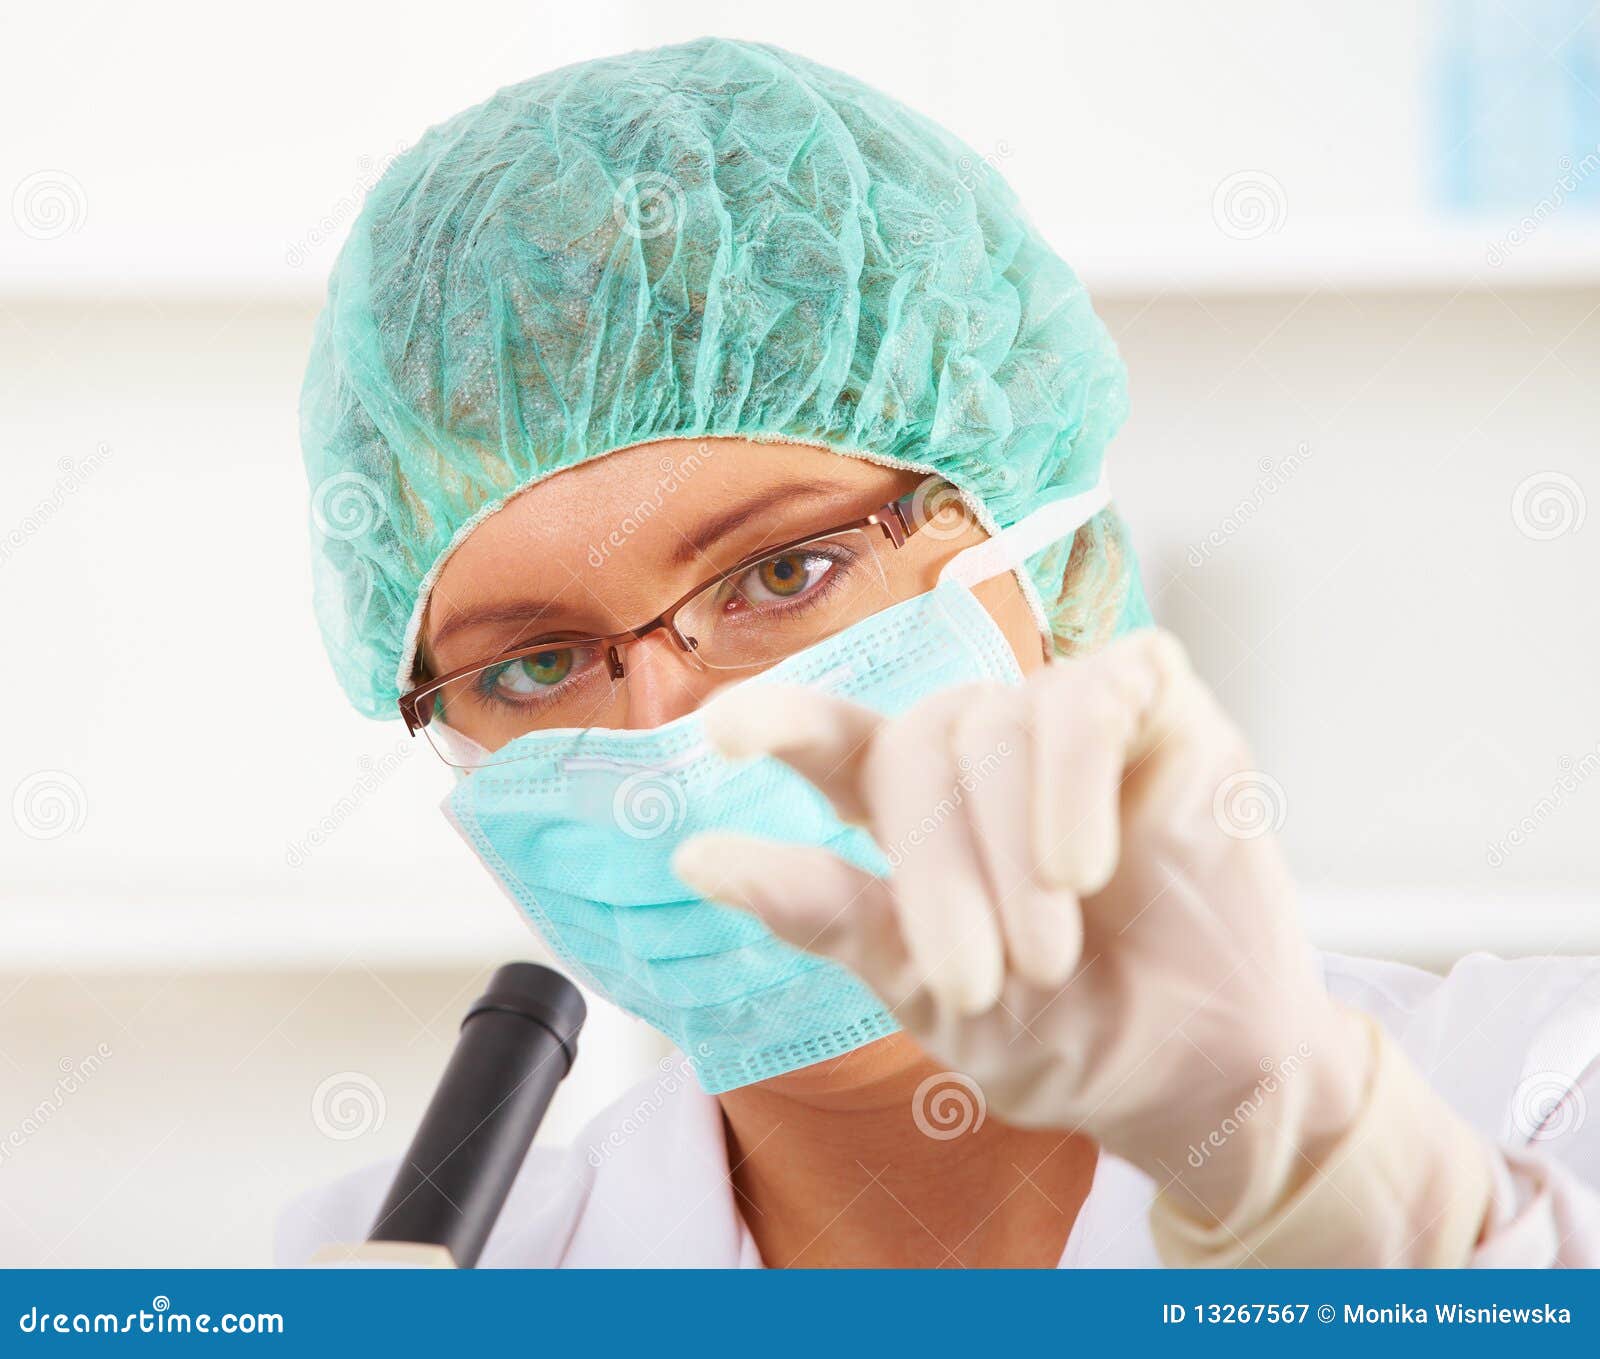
x=822, y=737
x=1087, y=716
x=918, y=817
x=1043, y=925
x=807, y=897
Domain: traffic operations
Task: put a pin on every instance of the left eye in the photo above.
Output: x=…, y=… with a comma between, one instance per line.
x=524, y=678
x=785, y=576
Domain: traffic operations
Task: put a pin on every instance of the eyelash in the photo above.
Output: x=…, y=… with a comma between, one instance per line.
x=841, y=558
x=488, y=681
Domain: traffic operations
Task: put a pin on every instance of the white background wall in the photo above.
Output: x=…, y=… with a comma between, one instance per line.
x=1412, y=647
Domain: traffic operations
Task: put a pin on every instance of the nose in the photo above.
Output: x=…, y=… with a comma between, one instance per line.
x=662, y=682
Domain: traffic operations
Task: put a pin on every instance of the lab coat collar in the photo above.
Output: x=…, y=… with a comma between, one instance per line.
x=656, y=1190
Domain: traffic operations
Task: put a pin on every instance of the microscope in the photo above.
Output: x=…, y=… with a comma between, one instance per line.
x=517, y=1043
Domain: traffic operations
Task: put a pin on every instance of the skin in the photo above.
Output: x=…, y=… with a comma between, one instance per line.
x=828, y=1167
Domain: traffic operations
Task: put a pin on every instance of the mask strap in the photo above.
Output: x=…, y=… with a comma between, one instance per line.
x=1014, y=544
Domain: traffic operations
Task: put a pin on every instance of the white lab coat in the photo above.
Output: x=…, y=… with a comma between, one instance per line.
x=646, y=1184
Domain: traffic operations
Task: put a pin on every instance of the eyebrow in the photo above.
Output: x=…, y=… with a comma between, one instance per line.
x=521, y=611
x=691, y=546
x=698, y=541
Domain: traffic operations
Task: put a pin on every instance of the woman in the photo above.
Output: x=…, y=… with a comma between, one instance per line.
x=706, y=366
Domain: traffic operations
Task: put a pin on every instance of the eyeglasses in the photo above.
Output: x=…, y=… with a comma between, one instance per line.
x=767, y=607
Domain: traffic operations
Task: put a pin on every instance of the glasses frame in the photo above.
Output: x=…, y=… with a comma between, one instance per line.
x=894, y=519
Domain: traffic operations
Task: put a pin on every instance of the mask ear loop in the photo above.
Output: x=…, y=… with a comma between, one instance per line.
x=1010, y=549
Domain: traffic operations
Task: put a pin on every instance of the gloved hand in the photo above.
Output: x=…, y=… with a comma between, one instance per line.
x=1071, y=921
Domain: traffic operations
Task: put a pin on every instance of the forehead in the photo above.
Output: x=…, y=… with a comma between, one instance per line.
x=630, y=512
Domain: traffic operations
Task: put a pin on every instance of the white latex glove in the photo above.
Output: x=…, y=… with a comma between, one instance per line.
x=1070, y=922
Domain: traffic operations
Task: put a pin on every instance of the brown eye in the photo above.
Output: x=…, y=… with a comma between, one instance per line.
x=785, y=581
x=789, y=574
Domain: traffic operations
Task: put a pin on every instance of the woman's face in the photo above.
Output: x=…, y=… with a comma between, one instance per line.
x=610, y=544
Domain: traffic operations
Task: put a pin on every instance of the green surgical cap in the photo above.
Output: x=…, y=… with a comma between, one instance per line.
x=714, y=239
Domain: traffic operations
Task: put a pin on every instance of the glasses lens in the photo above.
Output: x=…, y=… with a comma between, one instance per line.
x=474, y=718
x=786, y=602
x=766, y=611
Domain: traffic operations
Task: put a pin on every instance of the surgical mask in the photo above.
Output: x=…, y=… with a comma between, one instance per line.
x=581, y=826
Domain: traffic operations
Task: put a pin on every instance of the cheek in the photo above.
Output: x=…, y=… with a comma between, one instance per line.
x=1008, y=606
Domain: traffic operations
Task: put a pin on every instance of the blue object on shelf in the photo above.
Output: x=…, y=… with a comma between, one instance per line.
x=1518, y=106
